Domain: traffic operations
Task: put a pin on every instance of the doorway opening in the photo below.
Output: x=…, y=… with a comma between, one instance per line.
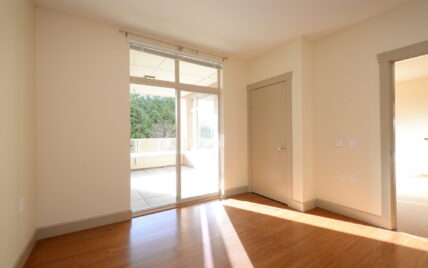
x=411, y=145
x=153, y=146
x=174, y=122
x=387, y=61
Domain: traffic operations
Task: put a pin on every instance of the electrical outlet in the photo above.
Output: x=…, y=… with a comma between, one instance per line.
x=353, y=178
x=339, y=142
x=342, y=176
x=353, y=143
x=21, y=204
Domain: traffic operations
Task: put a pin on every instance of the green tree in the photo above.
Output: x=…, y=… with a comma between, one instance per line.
x=152, y=117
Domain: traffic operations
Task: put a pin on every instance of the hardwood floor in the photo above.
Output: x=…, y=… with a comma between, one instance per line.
x=244, y=231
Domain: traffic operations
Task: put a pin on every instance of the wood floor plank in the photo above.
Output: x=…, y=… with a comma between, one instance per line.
x=244, y=231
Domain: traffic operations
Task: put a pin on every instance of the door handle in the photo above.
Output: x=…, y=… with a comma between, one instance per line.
x=280, y=148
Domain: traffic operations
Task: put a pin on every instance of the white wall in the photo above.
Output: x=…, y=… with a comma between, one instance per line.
x=295, y=56
x=83, y=98
x=347, y=103
x=82, y=119
x=17, y=142
x=411, y=127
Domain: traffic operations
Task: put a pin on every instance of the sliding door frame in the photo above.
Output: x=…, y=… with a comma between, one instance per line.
x=179, y=87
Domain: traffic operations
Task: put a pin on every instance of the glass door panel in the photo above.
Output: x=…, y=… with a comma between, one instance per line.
x=199, y=144
x=151, y=66
x=199, y=75
x=152, y=146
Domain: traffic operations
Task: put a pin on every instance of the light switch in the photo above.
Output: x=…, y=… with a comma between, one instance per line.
x=21, y=204
x=339, y=142
x=342, y=176
x=353, y=178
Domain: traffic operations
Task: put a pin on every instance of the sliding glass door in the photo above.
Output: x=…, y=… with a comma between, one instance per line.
x=199, y=144
x=174, y=142
x=153, y=146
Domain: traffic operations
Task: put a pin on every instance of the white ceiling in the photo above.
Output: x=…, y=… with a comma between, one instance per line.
x=413, y=68
x=237, y=28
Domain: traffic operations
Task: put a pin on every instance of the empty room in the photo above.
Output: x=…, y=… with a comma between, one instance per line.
x=240, y=133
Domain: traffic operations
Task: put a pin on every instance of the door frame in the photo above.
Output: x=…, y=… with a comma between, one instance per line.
x=387, y=129
x=287, y=78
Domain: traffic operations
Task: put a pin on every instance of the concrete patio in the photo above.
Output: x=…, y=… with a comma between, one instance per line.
x=155, y=187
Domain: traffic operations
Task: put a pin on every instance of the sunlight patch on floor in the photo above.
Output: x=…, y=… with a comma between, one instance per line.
x=330, y=224
x=236, y=252
x=206, y=240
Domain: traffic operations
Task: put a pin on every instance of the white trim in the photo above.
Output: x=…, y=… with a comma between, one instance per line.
x=387, y=102
x=175, y=55
x=69, y=227
x=196, y=201
x=199, y=197
x=219, y=139
x=191, y=88
x=235, y=191
x=178, y=136
x=177, y=85
x=177, y=49
x=20, y=262
x=351, y=212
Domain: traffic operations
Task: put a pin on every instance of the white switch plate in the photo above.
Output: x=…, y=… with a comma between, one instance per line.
x=353, y=178
x=353, y=143
x=339, y=142
x=21, y=204
x=342, y=176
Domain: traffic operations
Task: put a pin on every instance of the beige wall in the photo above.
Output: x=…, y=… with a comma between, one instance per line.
x=234, y=125
x=411, y=127
x=308, y=116
x=336, y=93
x=82, y=98
x=347, y=103
x=295, y=56
x=17, y=133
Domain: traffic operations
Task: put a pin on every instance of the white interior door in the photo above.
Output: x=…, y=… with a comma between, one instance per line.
x=270, y=113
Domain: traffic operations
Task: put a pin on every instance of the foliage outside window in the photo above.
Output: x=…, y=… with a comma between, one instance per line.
x=152, y=117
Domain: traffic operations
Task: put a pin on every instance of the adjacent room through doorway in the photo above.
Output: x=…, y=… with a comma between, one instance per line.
x=411, y=145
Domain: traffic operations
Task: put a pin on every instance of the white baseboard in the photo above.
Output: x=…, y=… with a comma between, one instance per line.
x=236, y=191
x=308, y=205
x=26, y=253
x=302, y=206
x=363, y=216
x=70, y=227
x=351, y=213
